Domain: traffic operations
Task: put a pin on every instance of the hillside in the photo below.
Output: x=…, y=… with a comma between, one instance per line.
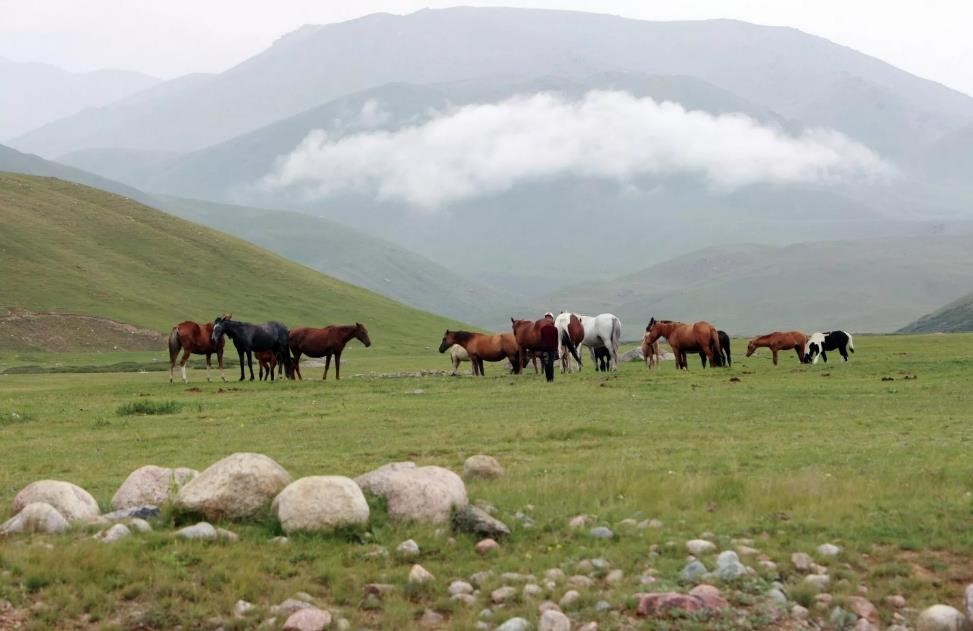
x=73, y=249
x=13, y=161
x=954, y=317
x=873, y=285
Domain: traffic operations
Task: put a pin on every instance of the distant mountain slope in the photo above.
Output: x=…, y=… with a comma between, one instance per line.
x=800, y=76
x=872, y=285
x=71, y=248
x=33, y=94
x=122, y=165
x=954, y=317
x=17, y=162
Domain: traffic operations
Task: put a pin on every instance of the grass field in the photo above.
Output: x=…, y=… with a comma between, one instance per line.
x=790, y=457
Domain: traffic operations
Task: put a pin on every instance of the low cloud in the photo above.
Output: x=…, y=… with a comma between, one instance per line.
x=486, y=149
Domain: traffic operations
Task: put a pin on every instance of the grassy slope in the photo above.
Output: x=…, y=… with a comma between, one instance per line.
x=790, y=457
x=954, y=317
x=76, y=249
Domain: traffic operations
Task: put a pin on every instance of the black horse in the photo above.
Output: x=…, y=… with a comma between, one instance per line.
x=724, y=350
x=270, y=336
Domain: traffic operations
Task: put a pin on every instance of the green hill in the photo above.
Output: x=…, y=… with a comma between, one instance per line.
x=68, y=248
x=954, y=317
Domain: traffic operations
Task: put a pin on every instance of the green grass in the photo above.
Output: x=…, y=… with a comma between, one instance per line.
x=70, y=248
x=148, y=408
x=790, y=457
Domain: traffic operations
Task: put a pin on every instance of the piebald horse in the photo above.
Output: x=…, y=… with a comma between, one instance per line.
x=687, y=338
x=194, y=338
x=777, y=341
x=480, y=348
x=568, y=326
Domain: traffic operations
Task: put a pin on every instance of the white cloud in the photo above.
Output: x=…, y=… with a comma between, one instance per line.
x=486, y=149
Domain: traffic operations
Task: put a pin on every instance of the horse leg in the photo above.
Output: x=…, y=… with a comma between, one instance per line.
x=219, y=360
x=337, y=365
x=327, y=364
x=824, y=356
x=209, y=357
x=296, y=363
x=844, y=353
x=774, y=351
x=182, y=365
x=243, y=366
x=250, y=363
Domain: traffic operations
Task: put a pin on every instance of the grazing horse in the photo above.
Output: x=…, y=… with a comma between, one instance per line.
x=248, y=338
x=568, y=326
x=480, y=348
x=539, y=336
x=603, y=359
x=325, y=342
x=267, y=362
x=191, y=337
x=604, y=330
x=819, y=343
x=777, y=342
x=650, y=352
x=724, y=350
x=692, y=338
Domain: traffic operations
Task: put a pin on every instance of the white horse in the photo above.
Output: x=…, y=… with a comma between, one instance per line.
x=458, y=355
x=603, y=330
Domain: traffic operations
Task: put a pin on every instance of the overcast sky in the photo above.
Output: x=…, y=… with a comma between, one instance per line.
x=931, y=38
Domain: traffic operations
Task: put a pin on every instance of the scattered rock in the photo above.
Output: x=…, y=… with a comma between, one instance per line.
x=460, y=587
x=320, y=504
x=802, y=561
x=480, y=578
x=552, y=620
x=289, y=606
x=308, y=619
x=113, y=534
x=379, y=590
x=516, y=577
x=419, y=575
x=601, y=532
x=70, y=500
x=203, y=531
x=941, y=618
x=898, y=602
x=820, y=581
x=710, y=596
x=799, y=613
x=532, y=591
x=242, y=608
x=614, y=577
x=863, y=608
x=555, y=574
x=467, y=599
x=579, y=581
x=602, y=606
x=502, y=594
x=589, y=626
x=238, y=486
x=422, y=494
x=777, y=597
x=151, y=486
x=650, y=523
x=628, y=523
x=569, y=598
x=139, y=525
x=36, y=517
x=482, y=466
x=665, y=603
x=692, y=572
x=431, y=619
x=283, y=541
x=743, y=550
x=226, y=535
x=146, y=511
x=477, y=521
x=865, y=625
x=579, y=521
x=514, y=624
x=699, y=547
x=828, y=550
x=408, y=549
x=728, y=566
x=767, y=565
x=547, y=605
x=486, y=546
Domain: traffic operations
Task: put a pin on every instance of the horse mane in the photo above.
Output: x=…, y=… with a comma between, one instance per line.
x=462, y=336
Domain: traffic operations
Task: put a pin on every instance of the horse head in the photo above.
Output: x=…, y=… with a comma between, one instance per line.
x=218, y=326
x=362, y=334
x=447, y=341
x=751, y=348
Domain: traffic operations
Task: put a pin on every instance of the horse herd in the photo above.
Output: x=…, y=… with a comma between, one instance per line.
x=279, y=349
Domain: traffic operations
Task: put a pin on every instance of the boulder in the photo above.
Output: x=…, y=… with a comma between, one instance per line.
x=308, y=619
x=151, y=486
x=419, y=575
x=320, y=504
x=863, y=608
x=514, y=624
x=482, y=466
x=36, y=517
x=693, y=571
x=420, y=494
x=552, y=620
x=828, y=550
x=666, y=603
x=72, y=501
x=238, y=486
x=203, y=530
x=699, y=547
x=710, y=597
x=941, y=618
x=113, y=534
x=478, y=522
x=486, y=546
x=408, y=549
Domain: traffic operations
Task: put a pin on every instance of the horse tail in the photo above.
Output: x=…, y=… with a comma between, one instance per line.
x=175, y=344
x=726, y=351
x=714, y=341
x=616, y=339
x=567, y=341
x=851, y=343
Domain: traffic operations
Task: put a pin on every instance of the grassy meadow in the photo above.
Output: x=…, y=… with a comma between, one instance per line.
x=873, y=456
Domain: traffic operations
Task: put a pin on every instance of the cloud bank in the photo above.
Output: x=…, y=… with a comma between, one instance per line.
x=486, y=149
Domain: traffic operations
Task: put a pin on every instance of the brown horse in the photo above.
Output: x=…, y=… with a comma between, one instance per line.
x=539, y=336
x=777, y=342
x=481, y=347
x=700, y=337
x=194, y=338
x=650, y=352
x=267, y=361
x=325, y=342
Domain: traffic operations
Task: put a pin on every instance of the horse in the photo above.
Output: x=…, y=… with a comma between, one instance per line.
x=819, y=343
x=267, y=361
x=698, y=337
x=602, y=359
x=777, y=342
x=325, y=342
x=457, y=355
x=568, y=326
x=247, y=338
x=481, y=347
x=724, y=350
x=602, y=330
x=194, y=338
x=541, y=335
x=650, y=352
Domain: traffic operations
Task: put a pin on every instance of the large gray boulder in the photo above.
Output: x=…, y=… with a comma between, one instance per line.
x=72, y=501
x=151, y=486
x=420, y=494
x=236, y=487
x=37, y=517
x=320, y=504
x=941, y=618
x=478, y=522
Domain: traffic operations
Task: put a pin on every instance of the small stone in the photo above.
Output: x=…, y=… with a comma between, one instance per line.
x=139, y=525
x=584, y=565
x=863, y=608
x=419, y=575
x=898, y=602
x=615, y=577
x=650, y=523
x=692, y=572
x=486, y=546
x=579, y=521
x=547, y=605
x=768, y=566
x=308, y=619
x=820, y=581
x=777, y=597
x=602, y=606
x=226, y=535
x=699, y=547
x=37, y=517
x=664, y=603
x=478, y=522
x=802, y=561
x=555, y=574
x=823, y=601
x=628, y=523
x=342, y=624
x=589, y=626
x=746, y=551
x=532, y=591
x=514, y=624
x=502, y=594
x=941, y=618
x=431, y=619
x=516, y=577
x=710, y=597
x=552, y=620
x=799, y=613
x=864, y=625
x=467, y=599
x=486, y=614
x=569, y=598
x=828, y=550
x=479, y=578
x=601, y=532
x=579, y=581
x=408, y=549
x=242, y=608
x=647, y=579
x=482, y=626
x=483, y=467
x=460, y=587
x=203, y=531
x=289, y=606
x=600, y=564
x=113, y=534
x=283, y=541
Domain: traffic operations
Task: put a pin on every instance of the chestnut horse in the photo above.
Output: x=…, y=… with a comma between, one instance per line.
x=650, y=352
x=540, y=336
x=687, y=338
x=194, y=338
x=325, y=342
x=267, y=361
x=777, y=342
x=481, y=347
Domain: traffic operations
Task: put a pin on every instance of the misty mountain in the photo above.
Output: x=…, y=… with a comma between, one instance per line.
x=33, y=94
x=801, y=77
x=14, y=161
x=955, y=317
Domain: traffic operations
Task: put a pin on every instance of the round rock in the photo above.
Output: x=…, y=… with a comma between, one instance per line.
x=321, y=504
x=420, y=494
x=36, y=517
x=150, y=486
x=308, y=619
x=72, y=501
x=552, y=620
x=238, y=486
x=699, y=547
x=482, y=466
x=941, y=618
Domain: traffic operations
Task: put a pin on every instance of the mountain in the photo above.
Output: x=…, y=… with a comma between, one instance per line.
x=35, y=94
x=875, y=285
x=73, y=249
x=801, y=77
x=954, y=317
x=123, y=165
x=15, y=161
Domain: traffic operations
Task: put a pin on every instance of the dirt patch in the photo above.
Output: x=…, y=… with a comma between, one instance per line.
x=63, y=332
x=11, y=617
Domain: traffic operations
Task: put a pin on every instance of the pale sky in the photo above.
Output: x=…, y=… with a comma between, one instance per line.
x=930, y=38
